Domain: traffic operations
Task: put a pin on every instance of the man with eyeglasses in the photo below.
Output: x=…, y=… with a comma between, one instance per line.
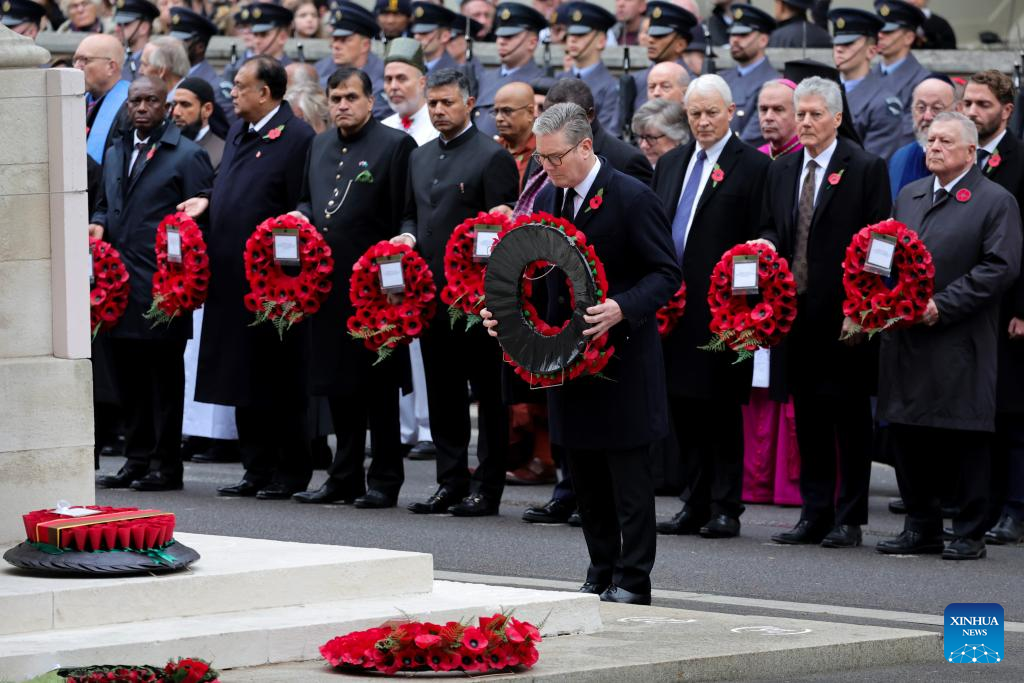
x=101, y=58
x=514, y=116
x=133, y=20
x=932, y=96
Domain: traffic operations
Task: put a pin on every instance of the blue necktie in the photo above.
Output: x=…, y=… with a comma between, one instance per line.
x=686, y=205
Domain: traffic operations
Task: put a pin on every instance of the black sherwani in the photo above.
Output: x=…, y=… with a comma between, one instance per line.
x=706, y=389
x=341, y=367
x=448, y=183
x=831, y=382
x=148, y=365
x=250, y=368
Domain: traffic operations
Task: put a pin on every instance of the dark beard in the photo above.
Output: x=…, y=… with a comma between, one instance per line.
x=192, y=130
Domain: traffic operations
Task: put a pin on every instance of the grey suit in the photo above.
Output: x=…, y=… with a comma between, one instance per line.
x=605, y=88
x=214, y=146
x=879, y=116
x=902, y=82
x=745, y=90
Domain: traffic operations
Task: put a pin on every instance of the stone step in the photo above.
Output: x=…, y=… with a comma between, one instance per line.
x=281, y=634
x=232, y=574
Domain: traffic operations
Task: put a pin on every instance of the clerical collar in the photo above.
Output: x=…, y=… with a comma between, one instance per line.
x=744, y=70
x=450, y=143
x=258, y=126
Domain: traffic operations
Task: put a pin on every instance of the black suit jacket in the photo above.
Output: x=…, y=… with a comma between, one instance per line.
x=726, y=215
x=131, y=210
x=816, y=361
x=1010, y=174
x=631, y=234
x=623, y=156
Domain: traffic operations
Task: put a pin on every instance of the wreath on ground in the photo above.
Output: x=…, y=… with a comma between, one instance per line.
x=540, y=353
x=185, y=670
x=108, y=294
x=275, y=296
x=464, y=269
x=381, y=321
x=498, y=643
x=740, y=326
x=669, y=314
x=871, y=303
x=179, y=285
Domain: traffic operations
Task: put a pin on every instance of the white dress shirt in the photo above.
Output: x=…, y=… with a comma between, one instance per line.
x=713, y=153
x=993, y=144
x=584, y=187
x=948, y=187
x=823, y=160
x=421, y=130
x=258, y=126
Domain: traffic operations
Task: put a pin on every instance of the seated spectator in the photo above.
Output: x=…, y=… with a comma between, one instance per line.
x=83, y=17
x=307, y=21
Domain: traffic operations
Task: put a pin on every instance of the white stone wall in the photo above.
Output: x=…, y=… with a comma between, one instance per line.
x=46, y=431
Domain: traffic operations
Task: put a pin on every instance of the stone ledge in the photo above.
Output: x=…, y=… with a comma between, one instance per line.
x=46, y=403
x=37, y=479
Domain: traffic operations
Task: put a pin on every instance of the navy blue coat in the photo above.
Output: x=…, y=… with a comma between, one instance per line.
x=627, y=408
x=131, y=211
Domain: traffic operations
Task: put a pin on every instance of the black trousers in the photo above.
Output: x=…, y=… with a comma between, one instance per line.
x=710, y=438
x=615, y=495
x=377, y=405
x=1007, y=497
x=150, y=377
x=922, y=481
x=452, y=360
x=274, y=442
x=835, y=439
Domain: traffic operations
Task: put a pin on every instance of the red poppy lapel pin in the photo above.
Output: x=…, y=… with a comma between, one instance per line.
x=151, y=152
x=834, y=179
x=963, y=196
x=274, y=133
x=993, y=162
x=717, y=176
x=595, y=201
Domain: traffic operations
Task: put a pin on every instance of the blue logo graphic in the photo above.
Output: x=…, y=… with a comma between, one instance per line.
x=973, y=633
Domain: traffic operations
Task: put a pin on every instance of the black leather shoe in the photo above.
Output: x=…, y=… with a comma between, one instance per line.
x=423, y=450
x=897, y=506
x=804, y=533
x=1007, y=532
x=275, y=491
x=330, y=492
x=617, y=594
x=243, y=489
x=442, y=499
x=684, y=522
x=374, y=500
x=157, y=481
x=122, y=480
x=843, y=536
x=911, y=543
x=593, y=588
x=555, y=511
x=475, y=505
x=575, y=519
x=721, y=526
x=965, y=549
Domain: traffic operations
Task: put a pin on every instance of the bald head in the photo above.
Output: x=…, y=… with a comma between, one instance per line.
x=932, y=97
x=301, y=72
x=514, y=112
x=100, y=57
x=667, y=80
x=517, y=93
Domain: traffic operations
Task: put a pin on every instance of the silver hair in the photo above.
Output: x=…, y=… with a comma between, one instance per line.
x=566, y=117
x=312, y=102
x=969, y=130
x=664, y=115
x=827, y=90
x=170, y=54
x=709, y=83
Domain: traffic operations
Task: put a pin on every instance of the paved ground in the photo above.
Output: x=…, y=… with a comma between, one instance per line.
x=748, y=575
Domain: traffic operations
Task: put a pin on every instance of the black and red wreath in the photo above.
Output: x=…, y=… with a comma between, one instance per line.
x=182, y=269
x=108, y=295
x=465, y=261
x=275, y=296
x=383, y=322
x=740, y=326
x=669, y=314
x=871, y=303
x=543, y=354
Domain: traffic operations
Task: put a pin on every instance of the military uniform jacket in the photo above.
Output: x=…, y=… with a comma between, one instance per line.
x=632, y=236
x=489, y=87
x=945, y=375
x=445, y=61
x=450, y=182
x=790, y=33
x=130, y=212
x=605, y=88
x=366, y=214
x=879, y=116
x=902, y=81
x=745, y=91
x=726, y=215
x=258, y=179
x=817, y=362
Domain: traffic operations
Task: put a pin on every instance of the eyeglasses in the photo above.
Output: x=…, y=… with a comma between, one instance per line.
x=649, y=139
x=81, y=59
x=508, y=111
x=553, y=159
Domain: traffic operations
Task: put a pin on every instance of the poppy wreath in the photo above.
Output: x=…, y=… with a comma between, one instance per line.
x=496, y=643
x=736, y=324
x=669, y=314
x=184, y=670
x=109, y=528
x=593, y=354
x=282, y=299
x=379, y=323
x=870, y=303
x=464, y=276
x=179, y=287
x=108, y=297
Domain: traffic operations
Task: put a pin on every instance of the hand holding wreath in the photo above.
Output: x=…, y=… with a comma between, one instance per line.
x=182, y=273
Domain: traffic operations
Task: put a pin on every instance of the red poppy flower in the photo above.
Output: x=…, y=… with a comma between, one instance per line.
x=274, y=133
x=995, y=160
x=963, y=195
x=595, y=202
x=834, y=178
x=717, y=175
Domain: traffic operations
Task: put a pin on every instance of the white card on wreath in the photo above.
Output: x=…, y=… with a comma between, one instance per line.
x=744, y=274
x=762, y=369
x=286, y=247
x=173, y=246
x=391, y=278
x=484, y=243
x=881, y=251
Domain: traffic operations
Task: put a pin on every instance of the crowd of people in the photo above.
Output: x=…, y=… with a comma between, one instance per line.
x=797, y=160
